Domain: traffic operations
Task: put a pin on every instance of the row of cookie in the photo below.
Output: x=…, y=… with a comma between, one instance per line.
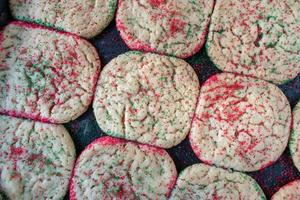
x=37, y=159
x=51, y=76
x=147, y=98
x=254, y=38
x=235, y=122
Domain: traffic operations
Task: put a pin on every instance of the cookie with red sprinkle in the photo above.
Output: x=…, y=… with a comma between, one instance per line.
x=290, y=191
x=36, y=159
x=240, y=122
x=173, y=27
x=147, y=98
x=83, y=18
x=294, y=143
x=256, y=38
x=111, y=168
x=45, y=75
x=201, y=181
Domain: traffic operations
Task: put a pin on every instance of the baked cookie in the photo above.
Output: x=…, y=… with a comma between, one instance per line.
x=45, y=75
x=201, y=181
x=111, y=168
x=147, y=98
x=84, y=18
x=290, y=191
x=240, y=122
x=294, y=143
x=257, y=38
x=174, y=27
x=35, y=158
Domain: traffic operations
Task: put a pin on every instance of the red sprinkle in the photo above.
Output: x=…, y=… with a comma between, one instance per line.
x=176, y=25
x=156, y=2
x=16, y=150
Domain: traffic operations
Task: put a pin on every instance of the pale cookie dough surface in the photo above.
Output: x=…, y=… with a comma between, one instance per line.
x=201, y=181
x=240, y=122
x=294, y=143
x=147, y=98
x=173, y=27
x=84, y=18
x=257, y=38
x=36, y=159
x=290, y=191
x=45, y=75
x=111, y=168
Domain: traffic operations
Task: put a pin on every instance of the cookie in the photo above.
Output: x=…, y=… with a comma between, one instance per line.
x=290, y=191
x=45, y=75
x=257, y=38
x=35, y=158
x=201, y=181
x=173, y=27
x=147, y=98
x=240, y=122
x=294, y=143
x=111, y=168
x=84, y=18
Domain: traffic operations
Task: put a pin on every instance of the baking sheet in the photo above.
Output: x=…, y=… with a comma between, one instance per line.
x=85, y=129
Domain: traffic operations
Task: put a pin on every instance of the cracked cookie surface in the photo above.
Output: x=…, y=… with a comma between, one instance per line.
x=294, y=143
x=84, y=18
x=147, y=98
x=240, y=122
x=111, y=168
x=173, y=27
x=201, y=181
x=45, y=75
x=35, y=158
x=290, y=191
x=257, y=38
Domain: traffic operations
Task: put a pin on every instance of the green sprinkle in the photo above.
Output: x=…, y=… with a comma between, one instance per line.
x=164, y=79
x=188, y=34
x=48, y=161
x=107, y=116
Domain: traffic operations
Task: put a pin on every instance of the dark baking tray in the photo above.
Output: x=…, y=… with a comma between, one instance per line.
x=85, y=129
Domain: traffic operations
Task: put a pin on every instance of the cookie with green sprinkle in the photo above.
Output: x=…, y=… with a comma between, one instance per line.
x=111, y=168
x=240, y=122
x=147, y=98
x=83, y=18
x=201, y=181
x=36, y=159
x=173, y=27
x=290, y=191
x=45, y=75
x=294, y=143
x=256, y=38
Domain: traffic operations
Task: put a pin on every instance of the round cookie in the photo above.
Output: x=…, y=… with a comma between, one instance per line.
x=294, y=143
x=290, y=191
x=84, y=18
x=173, y=27
x=201, y=181
x=147, y=98
x=35, y=158
x=240, y=122
x=257, y=38
x=111, y=168
x=45, y=75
